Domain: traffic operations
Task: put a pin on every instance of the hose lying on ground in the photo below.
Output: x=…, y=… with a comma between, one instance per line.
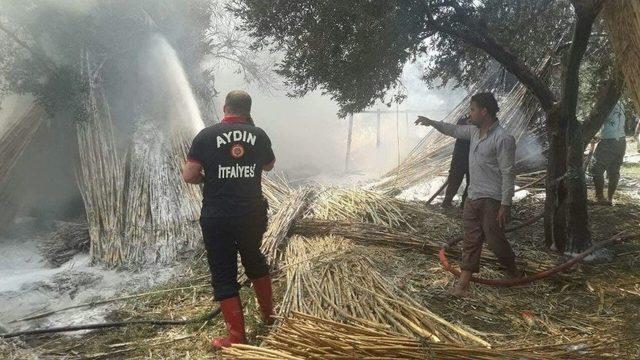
x=161, y=322
x=541, y=275
x=206, y=317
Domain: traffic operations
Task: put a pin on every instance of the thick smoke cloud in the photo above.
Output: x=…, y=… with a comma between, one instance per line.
x=309, y=139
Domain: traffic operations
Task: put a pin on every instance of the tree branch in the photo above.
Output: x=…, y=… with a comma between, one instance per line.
x=585, y=16
x=479, y=37
x=607, y=98
x=44, y=61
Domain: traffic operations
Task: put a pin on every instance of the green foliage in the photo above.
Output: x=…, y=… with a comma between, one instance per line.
x=64, y=90
x=354, y=50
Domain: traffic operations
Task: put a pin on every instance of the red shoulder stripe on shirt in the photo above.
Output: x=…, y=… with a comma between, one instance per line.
x=194, y=160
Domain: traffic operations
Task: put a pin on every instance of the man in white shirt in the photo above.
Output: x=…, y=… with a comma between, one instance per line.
x=609, y=155
x=491, y=163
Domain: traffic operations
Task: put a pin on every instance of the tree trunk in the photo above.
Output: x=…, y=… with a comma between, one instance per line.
x=555, y=233
x=577, y=214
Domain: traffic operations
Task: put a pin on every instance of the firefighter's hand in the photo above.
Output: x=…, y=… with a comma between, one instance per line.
x=423, y=121
x=445, y=245
x=503, y=216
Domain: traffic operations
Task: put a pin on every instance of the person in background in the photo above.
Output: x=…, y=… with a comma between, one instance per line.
x=609, y=155
x=458, y=170
x=229, y=158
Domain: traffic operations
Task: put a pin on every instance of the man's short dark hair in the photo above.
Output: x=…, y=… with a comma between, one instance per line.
x=238, y=102
x=488, y=101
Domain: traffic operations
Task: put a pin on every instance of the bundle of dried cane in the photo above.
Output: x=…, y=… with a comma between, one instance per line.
x=431, y=238
x=279, y=225
x=303, y=336
x=328, y=277
x=360, y=205
x=275, y=189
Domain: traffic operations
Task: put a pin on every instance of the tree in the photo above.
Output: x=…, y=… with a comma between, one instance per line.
x=41, y=42
x=355, y=50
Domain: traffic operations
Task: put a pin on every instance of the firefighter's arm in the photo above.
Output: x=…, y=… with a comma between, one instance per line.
x=269, y=166
x=192, y=172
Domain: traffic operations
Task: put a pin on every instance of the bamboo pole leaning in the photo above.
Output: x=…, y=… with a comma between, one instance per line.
x=13, y=143
x=101, y=176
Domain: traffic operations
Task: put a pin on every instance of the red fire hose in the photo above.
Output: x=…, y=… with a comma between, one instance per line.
x=541, y=275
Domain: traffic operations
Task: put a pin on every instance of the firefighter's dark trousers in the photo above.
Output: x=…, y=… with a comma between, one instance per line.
x=224, y=238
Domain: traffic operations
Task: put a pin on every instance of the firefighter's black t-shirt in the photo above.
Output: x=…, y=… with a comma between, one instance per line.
x=232, y=155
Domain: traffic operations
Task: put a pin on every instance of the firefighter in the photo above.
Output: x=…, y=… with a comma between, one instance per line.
x=228, y=158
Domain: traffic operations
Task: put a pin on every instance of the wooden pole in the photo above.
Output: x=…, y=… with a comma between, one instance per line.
x=378, y=128
x=350, y=130
x=438, y=192
x=406, y=123
x=398, y=133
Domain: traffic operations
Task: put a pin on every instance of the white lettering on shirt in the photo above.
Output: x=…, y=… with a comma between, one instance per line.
x=235, y=135
x=236, y=171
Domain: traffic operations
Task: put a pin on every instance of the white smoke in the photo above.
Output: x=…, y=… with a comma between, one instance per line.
x=12, y=107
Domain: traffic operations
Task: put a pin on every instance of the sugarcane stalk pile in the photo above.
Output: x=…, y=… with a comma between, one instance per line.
x=328, y=277
x=366, y=233
x=139, y=211
x=355, y=204
x=279, y=225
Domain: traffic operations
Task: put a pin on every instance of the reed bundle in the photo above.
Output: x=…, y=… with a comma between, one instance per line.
x=101, y=178
x=138, y=208
x=360, y=205
x=15, y=140
x=162, y=211
x=303, y=336
x=275, y=189
x=328, y=278
x=374, y=234
x=280, y=224
x=623, y=21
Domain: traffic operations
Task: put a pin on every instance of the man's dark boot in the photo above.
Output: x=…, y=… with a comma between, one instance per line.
x=264, y=295
x=234, y=320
